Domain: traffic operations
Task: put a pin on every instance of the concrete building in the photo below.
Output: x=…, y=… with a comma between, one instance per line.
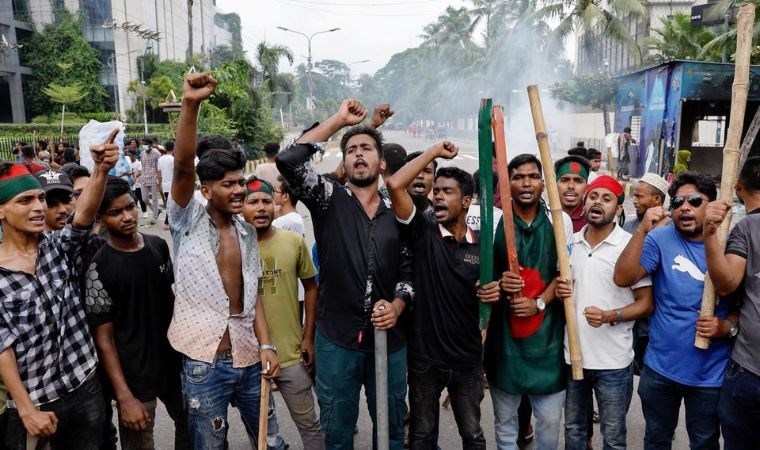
x=104, y=22
x=597, y=51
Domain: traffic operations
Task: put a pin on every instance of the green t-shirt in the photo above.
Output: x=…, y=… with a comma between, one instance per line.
x=284, y=259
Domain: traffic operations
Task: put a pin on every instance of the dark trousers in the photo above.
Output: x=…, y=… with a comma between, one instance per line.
x=80, y=416
x=426, y=382
x=661, y=402
x=3, y=426
x=139, y=197
x=740, y=408
x=166, y=205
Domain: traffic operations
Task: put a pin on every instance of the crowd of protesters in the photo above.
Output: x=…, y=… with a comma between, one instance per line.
x=95, y=311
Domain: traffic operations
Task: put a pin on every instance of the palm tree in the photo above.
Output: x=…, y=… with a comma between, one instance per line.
x=453, y=29
x=592, y=18
x=678, y=39
x=268, y=61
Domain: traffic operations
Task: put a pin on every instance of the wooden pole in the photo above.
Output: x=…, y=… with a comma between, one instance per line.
x=263, y=414
x=731, y=153
x=611, y=163
x=381, y=389
x=497, y=121
x=576, y=358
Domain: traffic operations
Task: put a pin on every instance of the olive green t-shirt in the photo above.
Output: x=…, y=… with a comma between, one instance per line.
x=284, y=259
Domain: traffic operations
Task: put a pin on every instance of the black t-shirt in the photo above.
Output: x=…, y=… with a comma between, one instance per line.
x=445, y=331
x=134, y=291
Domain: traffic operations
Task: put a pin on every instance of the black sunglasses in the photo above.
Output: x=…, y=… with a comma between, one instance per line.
x=694, y=200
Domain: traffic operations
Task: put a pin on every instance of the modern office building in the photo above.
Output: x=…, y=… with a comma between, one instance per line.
x=106, y=27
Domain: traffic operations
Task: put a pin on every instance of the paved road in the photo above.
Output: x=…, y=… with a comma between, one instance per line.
x=449, y=438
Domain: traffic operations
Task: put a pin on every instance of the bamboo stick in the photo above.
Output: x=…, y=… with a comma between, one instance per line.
x=263, y=413
x=576, y=358
x=731, y=153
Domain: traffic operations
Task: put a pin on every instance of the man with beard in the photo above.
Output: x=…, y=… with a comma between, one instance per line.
x=648, y=193
x=285, y=259
x=58, y=195
x=47, y=357
x=737, y=268
x=572, y=178
x=675, y=370
x=129, y=304
x=445, y=348
x=605, y=314
x=218, y=323
x=364, y=283
x=523, y=348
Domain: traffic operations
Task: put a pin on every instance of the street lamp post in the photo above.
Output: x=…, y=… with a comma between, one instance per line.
x=142, y=82
x=308, y=59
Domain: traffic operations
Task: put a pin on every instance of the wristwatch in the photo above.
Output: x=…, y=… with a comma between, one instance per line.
x=734, y=328
x=540, y=304
x=263, y=347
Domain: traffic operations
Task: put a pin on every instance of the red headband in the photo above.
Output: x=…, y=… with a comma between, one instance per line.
x=606, y=182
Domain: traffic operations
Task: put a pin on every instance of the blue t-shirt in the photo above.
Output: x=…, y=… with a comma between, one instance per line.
x=678, y=268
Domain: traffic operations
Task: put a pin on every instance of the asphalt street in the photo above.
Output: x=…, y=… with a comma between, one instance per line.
x=449, y=438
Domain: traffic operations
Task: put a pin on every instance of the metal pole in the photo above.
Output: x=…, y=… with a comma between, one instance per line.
x=726, y=18
x=308, y=77
x=142, y=82
x=381, y=389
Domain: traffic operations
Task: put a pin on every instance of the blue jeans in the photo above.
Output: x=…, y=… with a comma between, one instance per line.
x=661, y=402
x=546, y=408
x=426, y=382
x=740, y=408
x=341, y=373
x=613, y=390
x=209, y=389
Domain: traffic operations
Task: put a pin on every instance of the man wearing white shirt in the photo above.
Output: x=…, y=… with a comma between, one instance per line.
x=166, y=174
x=285, y=200
x=605, y=314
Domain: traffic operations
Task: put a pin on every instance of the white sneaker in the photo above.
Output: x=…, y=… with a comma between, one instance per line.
x=145, y=215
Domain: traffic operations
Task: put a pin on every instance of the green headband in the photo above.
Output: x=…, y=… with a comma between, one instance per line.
x=11, y=187
x=573, y=167
x=257, y=185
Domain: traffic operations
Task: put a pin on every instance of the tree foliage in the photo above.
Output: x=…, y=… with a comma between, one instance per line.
x=62, y=42
x=676, y=38
x=65, y=95
x=596, y=91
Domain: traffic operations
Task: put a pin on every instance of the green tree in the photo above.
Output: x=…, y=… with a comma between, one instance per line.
x=63, y=42
x=678, y=39
x=268, y=61
x=158, y=88
x=596, y=91
x=65, y=95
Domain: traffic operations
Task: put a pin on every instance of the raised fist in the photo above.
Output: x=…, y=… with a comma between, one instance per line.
x=652, y=218
x=715, y=213
x=381, y=113
x=446, y=150
x=351, y=112
x=198, y=87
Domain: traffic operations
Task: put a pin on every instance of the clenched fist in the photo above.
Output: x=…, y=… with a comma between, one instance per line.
x=198, y=87
x=351, y=112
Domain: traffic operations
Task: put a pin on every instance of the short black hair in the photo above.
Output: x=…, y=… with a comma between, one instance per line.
x=77, y=172
x=69, y=155
x=705, y=184
x=476, y=180
x=213, y=141
x=115, y=188
x=592, y=153
x=271, y=149
x=572, y=158
x=215, y=163
x=466, y=184
x=750, y=174
x=395, y=157
x=42, y=144
x=169, y=146
x=363, y=129
x=521, y=160
x=416, y=154
x=627, y=130
x=28, y=152
x=285, y=189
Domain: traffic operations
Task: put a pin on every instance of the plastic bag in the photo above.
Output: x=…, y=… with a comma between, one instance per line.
x=94, y=133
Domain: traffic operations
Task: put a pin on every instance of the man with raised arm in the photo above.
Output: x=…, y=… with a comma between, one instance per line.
x=364, y=282
x=47, y=356
x=445, y=347
x=218, y=324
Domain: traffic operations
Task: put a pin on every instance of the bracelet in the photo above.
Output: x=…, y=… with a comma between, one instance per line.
x=618, y=317
x=271, y=347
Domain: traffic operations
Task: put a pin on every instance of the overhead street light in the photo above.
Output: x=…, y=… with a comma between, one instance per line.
x=309, y=67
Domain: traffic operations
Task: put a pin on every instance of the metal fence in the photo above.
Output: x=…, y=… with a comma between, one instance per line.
x=8, y=143
x=589, y=142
